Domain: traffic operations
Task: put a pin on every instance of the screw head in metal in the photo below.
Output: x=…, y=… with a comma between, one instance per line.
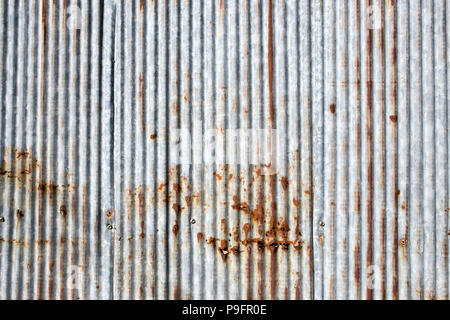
x=322, y=224
x=193, y=221
x=2, y=219
x=109, y=226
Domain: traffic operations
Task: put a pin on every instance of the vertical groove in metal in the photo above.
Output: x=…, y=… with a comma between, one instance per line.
x=108, y=188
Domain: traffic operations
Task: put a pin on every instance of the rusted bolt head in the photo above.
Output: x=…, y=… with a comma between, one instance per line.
x=193, y=221
x=403, y=242
x=322, y=224
x=2, y=219
x=108, y=214
x=109, y=226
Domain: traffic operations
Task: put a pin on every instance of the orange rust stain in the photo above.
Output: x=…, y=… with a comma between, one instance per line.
x=199, y=236
x=176, y=188
x=24, y=172
x=153, y=136
x=243, y=206
x=393, y=118
x=221, y=11
x=175, y=108
x=176, y=207
x=295, y=202
x=322, y=240
x=358, y=201
x=223, y=224
x=188, y=200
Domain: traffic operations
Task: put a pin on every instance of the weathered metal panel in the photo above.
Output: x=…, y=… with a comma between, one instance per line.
x=250, y=149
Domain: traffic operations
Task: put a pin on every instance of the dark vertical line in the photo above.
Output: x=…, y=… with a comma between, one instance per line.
x=167, y=81
x=447, y=136
x=369, y=83
x=347, y=153
x=335, y=152
x=323, y=135
x=409, y=147
x=382, y=34
x=202, y=119
x=191, y=162
x=311, y=152
x=359, y=141
x=394, y=94
x=434, y=149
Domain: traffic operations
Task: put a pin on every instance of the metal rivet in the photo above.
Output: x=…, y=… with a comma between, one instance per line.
x=322, y=224
x=109, y=227
x=193, y=221
x=2, y=219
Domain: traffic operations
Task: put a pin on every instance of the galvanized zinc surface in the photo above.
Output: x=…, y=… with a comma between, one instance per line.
x=251, y=149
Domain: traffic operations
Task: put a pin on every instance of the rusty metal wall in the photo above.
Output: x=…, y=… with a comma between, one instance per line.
x=100, y=200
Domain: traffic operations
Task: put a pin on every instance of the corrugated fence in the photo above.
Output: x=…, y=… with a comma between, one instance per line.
x=132, y=165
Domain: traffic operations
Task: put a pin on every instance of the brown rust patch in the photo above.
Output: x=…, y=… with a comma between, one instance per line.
x=333, y=108
x=19, y=214
x=25, y=173
x=284, y=183
x=23, y=154
x=188, y=200
x=393, y=118
x=63, y=211
x=223, y=250
x=199, y=236
x=153, y=136
x=175, y=229
x=357, y=271
x=176, y=188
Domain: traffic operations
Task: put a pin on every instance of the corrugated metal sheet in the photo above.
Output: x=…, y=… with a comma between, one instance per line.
x=100, y=198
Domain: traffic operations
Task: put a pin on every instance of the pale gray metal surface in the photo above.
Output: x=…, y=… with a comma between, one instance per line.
x=100, y=200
